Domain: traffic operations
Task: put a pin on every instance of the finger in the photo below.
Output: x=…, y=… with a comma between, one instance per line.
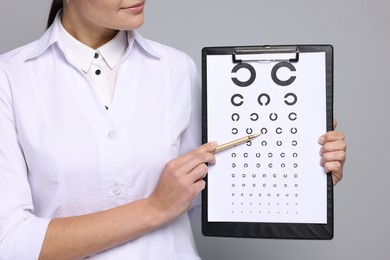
x=205, y=148
x=334, y=123
x=336, y=169
x=189, y=157
x=338, y=156
x=199, y=172
x=331, y=136
x=187, y=163
x=339, y=145
x=199, y=186
x=196, y=160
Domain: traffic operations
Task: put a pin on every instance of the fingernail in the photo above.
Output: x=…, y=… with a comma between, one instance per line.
x=322, y=163
x=213, y=144
x=321, y=140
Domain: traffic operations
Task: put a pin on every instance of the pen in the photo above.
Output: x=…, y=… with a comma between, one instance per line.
x=233, y=143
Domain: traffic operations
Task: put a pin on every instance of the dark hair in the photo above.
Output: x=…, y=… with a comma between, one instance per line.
x=55, y=7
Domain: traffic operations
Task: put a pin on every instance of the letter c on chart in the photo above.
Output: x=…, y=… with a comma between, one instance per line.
x=251, y=70
x=293, y=101
x=292, y=116
x=260, y=98
x=273, y=116
x=254, y=116
x=275, y=69
x=235, y=117
x=237, y=103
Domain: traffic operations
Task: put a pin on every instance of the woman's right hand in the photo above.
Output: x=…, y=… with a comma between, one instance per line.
x=181, y=181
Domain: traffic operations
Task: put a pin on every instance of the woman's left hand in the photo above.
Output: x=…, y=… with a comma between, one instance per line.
x=333, y=153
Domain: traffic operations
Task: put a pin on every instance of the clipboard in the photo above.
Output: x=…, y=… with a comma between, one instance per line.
x=274, y=186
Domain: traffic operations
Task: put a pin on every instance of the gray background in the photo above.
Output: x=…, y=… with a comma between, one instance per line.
x=359, y=32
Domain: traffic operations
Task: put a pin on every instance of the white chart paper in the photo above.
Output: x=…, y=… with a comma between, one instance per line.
x=277, y=177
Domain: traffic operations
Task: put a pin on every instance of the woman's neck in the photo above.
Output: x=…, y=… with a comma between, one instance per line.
x=86, y=32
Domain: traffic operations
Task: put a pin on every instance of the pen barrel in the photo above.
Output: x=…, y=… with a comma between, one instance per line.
x=231, y=144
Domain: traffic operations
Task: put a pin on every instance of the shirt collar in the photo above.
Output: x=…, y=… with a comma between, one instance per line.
x=113, y=50
x=52, y=36
x=82, y=56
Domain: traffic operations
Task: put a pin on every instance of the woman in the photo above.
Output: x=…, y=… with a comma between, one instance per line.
x=91, y=117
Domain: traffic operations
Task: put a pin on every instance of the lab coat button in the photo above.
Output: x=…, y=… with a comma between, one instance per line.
x=117, y=190
x=111, y=135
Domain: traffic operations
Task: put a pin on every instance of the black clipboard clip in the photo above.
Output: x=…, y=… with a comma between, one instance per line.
x=266, y=53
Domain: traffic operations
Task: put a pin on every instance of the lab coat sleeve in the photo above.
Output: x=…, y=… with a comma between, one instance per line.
x=21, y=233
